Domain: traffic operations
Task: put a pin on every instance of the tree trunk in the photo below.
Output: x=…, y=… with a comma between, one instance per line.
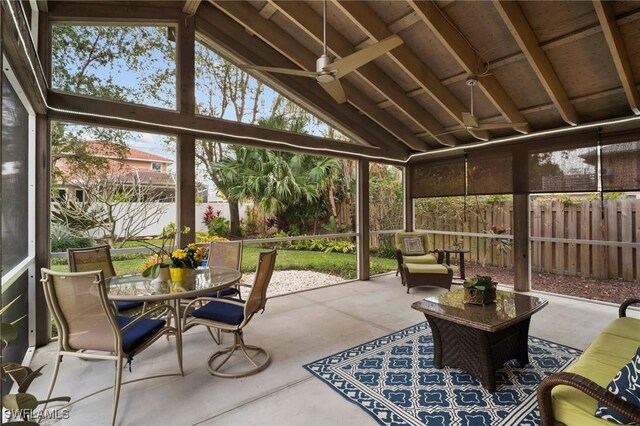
x=234, y=218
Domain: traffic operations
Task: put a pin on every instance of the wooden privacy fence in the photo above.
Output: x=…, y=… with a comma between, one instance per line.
x=612, y=221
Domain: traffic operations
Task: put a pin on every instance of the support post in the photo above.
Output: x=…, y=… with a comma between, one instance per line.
x=521, y=252
x=186, y=188
x=409, y=221
x=42, y=232
x=521, y=244
x=362, y=221
x=186, y=149
x=43, y=225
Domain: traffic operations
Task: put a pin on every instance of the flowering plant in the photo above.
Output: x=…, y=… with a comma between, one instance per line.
x=188, y=257
x=161, y=255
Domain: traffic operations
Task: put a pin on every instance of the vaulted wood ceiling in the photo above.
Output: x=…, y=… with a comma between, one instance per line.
x=547, y=65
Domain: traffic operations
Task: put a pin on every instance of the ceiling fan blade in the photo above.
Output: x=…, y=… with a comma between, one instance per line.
x=470, y=121
x=359, y=58
x=491, y=126
x=302, y=73
x=334, y=88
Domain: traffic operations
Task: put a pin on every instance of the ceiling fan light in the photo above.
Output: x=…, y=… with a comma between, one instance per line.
x=325, y=78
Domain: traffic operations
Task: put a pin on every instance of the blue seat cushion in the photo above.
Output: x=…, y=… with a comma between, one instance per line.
x=225, y=292
x=133, y=337
x=221, y=312
x=122, y=305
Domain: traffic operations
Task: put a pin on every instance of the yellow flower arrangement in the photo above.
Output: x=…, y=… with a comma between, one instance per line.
x=161, y=255
x=189, y=256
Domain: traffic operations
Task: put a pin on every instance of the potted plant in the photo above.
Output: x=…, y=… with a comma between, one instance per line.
x=157, y=265
x=21, y=405
x=184, y=261
x=479, y=290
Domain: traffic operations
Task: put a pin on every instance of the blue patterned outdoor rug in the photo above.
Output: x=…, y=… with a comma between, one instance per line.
x=393, y=379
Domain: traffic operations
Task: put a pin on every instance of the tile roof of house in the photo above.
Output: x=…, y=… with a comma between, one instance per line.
x=100, y=148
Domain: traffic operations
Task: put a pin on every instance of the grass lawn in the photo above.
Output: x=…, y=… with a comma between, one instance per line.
x=339, y=264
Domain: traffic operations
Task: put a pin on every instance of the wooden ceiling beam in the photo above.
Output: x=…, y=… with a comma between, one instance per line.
x=403, y=22
x=521, y=31
x=464, y=54
x=234, y=42
x=89, y=110
x=305, y=18
x=135, y=12
x=191, y=6
x=611, y=31
x=282, y=42
x=370, y=23
x=571, y=37
x=268, y=10
x=22, y=55
x=43, y=5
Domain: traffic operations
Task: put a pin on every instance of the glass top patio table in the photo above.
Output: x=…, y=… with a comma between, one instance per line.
x=135, y=287
x=508, y=309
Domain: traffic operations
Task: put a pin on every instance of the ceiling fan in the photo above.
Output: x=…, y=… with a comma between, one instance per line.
x=470, y=122
x=329, y=71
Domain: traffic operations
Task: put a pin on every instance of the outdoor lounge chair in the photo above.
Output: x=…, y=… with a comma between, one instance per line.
x=79, y=304
x=414, y=248
x=417, y=265
x=420, y=274
x=98, y=258
x=231, y=316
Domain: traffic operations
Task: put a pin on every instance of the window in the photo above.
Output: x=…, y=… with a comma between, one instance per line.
x=17, y=203
x=62, y=194
x=156, y=167
x=128, y=63
x=79, y=195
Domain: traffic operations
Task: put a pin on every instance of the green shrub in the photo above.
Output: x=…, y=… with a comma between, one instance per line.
x=323, y=244
x=339, y=246
x=387, y=251
x=219, y=226
x=62, y=244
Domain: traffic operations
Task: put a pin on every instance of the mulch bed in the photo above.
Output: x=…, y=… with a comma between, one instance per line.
x=614, y=291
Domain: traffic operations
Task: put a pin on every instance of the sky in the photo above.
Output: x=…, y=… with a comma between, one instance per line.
x=118, y=72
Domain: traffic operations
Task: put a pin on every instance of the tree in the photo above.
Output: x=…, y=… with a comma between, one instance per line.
x=88, y=60
x=120, y=206
x=224, y=91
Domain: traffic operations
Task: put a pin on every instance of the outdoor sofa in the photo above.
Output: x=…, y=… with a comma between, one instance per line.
x=571, y=397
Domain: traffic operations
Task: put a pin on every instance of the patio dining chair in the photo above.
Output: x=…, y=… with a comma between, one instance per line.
x=231, y=316
x=94, y=259
x=85, y=321
x=225, y=254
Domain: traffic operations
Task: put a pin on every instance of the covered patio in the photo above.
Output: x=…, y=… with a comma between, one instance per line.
x=468, y=99
x=298, y=329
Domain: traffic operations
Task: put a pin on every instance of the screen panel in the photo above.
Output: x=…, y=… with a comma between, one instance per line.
x=438, y=178
x=490, y=171
x=620, y=158
x=563, y=164
x=15, y=178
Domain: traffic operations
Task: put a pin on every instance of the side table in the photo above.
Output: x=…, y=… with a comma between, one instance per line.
x=460, y=253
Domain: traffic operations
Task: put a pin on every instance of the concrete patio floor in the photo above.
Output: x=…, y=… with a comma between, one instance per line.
x=296, y=329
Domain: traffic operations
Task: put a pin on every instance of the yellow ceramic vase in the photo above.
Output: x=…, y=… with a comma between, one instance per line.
x=180, y=274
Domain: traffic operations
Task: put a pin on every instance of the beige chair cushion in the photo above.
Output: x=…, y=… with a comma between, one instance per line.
x=425, y=259
x=416, y=268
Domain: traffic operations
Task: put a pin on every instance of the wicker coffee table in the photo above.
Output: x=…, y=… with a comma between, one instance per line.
x=480, y=339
